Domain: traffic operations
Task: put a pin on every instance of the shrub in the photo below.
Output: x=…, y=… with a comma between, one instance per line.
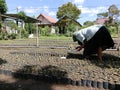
x=24, y=33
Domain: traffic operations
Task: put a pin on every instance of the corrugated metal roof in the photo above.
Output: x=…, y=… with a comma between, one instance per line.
x=16, y=16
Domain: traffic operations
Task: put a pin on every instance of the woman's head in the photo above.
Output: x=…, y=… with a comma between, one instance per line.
x=74, y=38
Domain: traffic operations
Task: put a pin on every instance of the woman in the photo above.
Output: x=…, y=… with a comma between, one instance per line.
x=94, y=40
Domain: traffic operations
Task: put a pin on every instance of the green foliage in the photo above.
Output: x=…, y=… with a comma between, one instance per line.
x=113, y=10
x=22, y=15
x=3, y=6
x=0, y=26
x=30, y=27
x=44, y=31
x=102, y=15
x=13, y=36
x=68, y=9
x=3, y=36
x=6, y=36
x=88, y=23
x=13, y=25
x=24, y=33
x=72, y=28
x=69, y=34
x=113, y=30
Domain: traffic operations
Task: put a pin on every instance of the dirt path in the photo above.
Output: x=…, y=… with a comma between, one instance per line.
x=10, y=83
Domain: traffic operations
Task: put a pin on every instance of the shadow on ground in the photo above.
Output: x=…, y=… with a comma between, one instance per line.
x=2, y=61
x=35, y=77
x=20, y=84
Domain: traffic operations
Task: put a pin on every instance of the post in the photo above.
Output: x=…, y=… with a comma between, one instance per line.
x=119, y=31
x=37, y=36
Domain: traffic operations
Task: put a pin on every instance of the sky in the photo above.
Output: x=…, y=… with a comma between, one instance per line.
x=89, y=8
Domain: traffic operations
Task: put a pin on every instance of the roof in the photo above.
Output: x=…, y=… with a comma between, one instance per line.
x=16, y=16
x=48, y=18
x=67, y=17
x=101, y=20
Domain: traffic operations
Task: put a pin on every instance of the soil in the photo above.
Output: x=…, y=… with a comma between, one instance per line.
x=50, y=62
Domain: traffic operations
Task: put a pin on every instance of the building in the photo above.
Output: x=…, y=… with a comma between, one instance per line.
x=101, y=20
x=47, y=21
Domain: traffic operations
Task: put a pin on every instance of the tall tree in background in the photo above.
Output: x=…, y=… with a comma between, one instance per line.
x=102, y=15
x=22, y=15
x=88, y=23
x=70, y=11
x=112, y=15
x=113, y=11
x=3, y=7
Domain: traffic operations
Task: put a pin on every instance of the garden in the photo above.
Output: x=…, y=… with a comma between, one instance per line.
x=52, y=62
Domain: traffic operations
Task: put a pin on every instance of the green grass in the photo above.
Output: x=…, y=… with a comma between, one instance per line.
x=55, y=37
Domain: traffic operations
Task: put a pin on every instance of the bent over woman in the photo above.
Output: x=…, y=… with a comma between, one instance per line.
x=94, y=40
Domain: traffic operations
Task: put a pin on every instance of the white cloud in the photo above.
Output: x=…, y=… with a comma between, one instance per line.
x=90, y=14
x=92, y=11
x=78, y=1
x=37, y=10
x=47, y=10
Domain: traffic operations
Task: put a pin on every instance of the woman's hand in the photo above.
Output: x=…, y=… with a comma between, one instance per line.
x=79, y=48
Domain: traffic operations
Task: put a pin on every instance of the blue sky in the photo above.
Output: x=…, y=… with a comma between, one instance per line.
x=89, y=8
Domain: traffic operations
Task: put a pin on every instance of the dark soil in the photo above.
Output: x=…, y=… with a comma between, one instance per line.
x=57, y=62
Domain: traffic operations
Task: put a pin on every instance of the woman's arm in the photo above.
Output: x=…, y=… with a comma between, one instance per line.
x=82, y=45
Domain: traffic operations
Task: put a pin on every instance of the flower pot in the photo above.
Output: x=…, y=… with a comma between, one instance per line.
x=100, y=84
x=111, y=86
x=83, y=82
x=105, y=85
x=88, y=83
x=78, y=83
x=94, y=84
x=73, y=82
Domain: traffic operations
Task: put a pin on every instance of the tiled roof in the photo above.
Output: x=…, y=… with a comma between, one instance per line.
x=101, y=20
x=50, y=19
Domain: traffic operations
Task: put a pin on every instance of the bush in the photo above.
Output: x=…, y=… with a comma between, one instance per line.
x=45, y=31
x=1, y=37
x=13, y=36
x=69, y=34
x=24, y=33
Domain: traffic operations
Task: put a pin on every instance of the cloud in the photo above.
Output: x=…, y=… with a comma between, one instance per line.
x=90, y=14
x=27, y=9
x=37, y=10
x=47, y=10
x=78, y=1
x=92, y=11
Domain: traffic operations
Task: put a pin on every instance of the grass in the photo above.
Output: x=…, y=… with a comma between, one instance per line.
x=43, y=41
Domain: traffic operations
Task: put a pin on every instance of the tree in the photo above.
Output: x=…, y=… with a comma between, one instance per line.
x=22, y=15
x=102, y=15
x=70, y=10
x=113, y=10
x=88, y=23
x=30, y=27
x=3, y=7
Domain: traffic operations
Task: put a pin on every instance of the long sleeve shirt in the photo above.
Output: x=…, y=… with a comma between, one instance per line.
x=87, y=33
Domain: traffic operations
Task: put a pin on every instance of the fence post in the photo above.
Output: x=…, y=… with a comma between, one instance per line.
x=37, y=36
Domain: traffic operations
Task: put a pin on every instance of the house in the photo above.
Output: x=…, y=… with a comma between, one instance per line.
x=101, y=20
x=17, y=19
x=64, y=22
x=47, y=21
